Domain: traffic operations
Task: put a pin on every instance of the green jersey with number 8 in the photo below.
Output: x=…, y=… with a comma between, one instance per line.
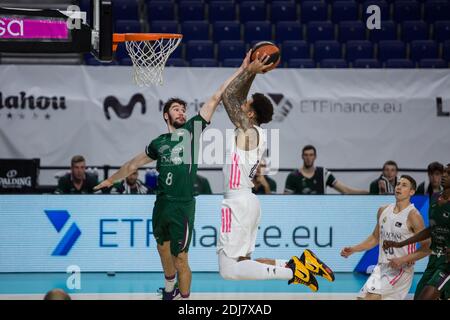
x=176, y=154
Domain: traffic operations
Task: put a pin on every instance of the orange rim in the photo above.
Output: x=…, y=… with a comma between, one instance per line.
x=121, y=37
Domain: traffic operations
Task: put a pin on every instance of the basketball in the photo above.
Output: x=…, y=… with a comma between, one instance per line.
x=267, y=47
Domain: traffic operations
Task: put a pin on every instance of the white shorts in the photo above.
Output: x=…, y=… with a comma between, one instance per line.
x=391, y=284
x=240, y=214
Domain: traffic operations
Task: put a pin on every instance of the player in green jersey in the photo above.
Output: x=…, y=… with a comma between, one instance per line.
x=175, y=154
x=435, y=282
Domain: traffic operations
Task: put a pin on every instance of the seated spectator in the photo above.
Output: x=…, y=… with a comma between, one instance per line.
x=131, y=185
x=435, y=171
x=201, y=186
x=57, y=294
x=386, y=183
x=262, y=183
x=314, y=180
x=78, y=181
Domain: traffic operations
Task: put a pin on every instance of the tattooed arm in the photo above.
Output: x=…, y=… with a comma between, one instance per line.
x=210, y=106
x=235, y=94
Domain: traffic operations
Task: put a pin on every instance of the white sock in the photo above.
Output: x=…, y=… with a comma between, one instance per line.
x=251, y=270
x=281, y=263
x=169, y=283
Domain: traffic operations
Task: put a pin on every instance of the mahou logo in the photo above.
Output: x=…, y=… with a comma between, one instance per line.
x=11, y=28
x=30, y=102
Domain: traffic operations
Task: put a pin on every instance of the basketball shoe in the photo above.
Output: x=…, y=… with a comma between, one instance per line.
x=302, y=274
x=172, y=295
x=316, y=266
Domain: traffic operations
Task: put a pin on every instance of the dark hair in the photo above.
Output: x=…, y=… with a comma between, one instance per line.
x=309, y=147
x=169, y=103
x=76, y=159
x=411, y=180
x=262, y=107
x=57, y=294
x=435, y=166
x=390, y=163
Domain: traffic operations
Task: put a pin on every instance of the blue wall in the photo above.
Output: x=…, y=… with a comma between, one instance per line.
x=114, y=233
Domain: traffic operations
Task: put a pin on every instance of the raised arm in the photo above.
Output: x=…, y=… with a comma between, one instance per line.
x=210, y=106
x=236, y=92
x=128, y=168
x=342, y=188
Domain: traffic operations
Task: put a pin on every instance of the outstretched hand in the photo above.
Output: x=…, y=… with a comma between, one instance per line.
x=259, y=64
x=104, y=184
x=347, y=251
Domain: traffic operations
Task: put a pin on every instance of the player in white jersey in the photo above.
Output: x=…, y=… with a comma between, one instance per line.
x=240, y=208
x=392, y=277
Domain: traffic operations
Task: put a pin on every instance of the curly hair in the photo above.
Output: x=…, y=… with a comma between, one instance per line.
x=262, y=107
x=169, y=103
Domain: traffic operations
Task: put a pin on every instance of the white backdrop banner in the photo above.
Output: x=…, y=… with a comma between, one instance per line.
x=355, y=118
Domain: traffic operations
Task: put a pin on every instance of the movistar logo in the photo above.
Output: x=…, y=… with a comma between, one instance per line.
x=284, y=106
x=123, y=111
x=59, y=218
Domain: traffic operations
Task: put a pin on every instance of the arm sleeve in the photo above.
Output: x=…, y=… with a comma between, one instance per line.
x=92, y=181
x=290, y=183
x=151, y=151
x=330, y=180
x=61, y=189
x=373, y=189
x=190, y=124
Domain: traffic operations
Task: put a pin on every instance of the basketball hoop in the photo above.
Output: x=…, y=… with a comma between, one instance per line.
x=149, y=53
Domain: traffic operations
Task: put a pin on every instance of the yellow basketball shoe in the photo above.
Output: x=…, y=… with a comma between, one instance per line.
x=302, y=274
x=316, y=266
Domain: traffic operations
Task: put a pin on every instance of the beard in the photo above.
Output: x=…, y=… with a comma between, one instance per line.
x=177, y=123
x=308, y=165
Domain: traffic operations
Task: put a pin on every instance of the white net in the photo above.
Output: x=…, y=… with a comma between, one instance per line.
x=149, y=59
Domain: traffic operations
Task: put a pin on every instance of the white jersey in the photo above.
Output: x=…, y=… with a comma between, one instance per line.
x=240, y=165
x=393, y=227
x=392, y=283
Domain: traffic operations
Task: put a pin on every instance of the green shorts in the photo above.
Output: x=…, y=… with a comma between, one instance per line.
x=173, y=221
x=437, y=274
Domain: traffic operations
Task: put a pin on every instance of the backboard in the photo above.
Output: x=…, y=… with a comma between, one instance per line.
x=30, y=30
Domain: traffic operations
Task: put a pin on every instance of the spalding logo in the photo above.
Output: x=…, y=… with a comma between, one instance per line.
x=11, y=174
